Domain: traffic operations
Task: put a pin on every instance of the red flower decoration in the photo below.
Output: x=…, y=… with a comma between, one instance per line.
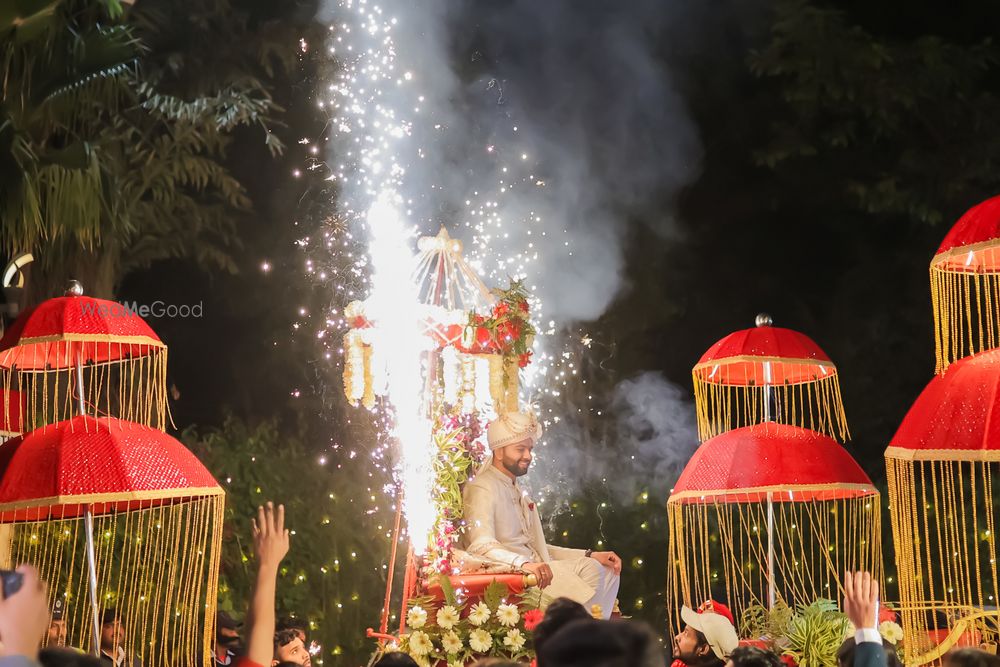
x=523, y=306
x=788, y=660
x=524, y=359
x=532, y=618
x=531, y=506
x=500, y=309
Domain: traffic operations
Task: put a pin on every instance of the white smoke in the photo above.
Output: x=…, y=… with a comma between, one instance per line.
x=596, y=115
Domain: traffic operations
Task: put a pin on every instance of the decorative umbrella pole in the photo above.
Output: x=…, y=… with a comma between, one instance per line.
x=62, y=336
x=767, y=374
x=819, y=507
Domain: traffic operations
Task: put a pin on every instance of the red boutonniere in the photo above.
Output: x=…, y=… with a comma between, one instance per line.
x=531, y=506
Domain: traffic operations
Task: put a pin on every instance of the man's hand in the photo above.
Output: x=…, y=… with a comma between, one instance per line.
x=270, y=538
x=24, y=616
x=608, y=559
x=542, y=571
x=860, y=599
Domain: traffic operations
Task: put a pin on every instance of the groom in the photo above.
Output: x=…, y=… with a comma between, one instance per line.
x=502, y=523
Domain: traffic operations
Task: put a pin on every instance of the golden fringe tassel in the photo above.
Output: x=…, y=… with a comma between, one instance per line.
x=718, y=549
x=943, y=529
x=966, y=314
x=816, y=405
x=134, y=389
x=158, y=567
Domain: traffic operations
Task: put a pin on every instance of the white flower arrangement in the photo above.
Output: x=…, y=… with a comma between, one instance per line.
x=448, y=632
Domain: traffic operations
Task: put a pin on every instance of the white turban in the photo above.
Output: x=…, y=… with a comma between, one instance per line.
x=513, y=427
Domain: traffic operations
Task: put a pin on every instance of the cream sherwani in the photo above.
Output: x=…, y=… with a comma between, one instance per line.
x=502, y=524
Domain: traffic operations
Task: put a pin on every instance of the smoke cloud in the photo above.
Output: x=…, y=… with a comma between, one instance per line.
x=574, y=99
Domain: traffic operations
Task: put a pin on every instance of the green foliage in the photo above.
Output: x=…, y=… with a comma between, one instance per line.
x=495, y=593
x=771, y=624
x=333, y=576
x=815, y=634
x=915, y=119
x=104, y=157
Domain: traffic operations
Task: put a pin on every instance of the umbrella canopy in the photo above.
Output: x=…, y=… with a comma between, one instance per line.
x=739, y=358
x=952, y=419
x=970, y=245
x=57, y=332
x=793, y=464
x=104, y=462
x=965, y=285
x=767, y=373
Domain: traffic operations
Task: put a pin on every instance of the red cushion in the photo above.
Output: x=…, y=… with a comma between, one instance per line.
x=474, y=585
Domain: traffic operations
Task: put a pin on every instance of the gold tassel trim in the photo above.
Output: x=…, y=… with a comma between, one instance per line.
x=158, y=567
x=816, y=405
x=943, y=530
x=133, y=388
x=966, y=309
x=722, y=549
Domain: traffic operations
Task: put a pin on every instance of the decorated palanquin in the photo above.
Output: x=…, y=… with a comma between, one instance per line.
x=476, y=342
x=476, y=339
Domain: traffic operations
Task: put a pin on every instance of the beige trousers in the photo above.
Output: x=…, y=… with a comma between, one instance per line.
x=586, y=581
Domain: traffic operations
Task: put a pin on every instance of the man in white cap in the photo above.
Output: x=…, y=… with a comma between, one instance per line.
x=502, y=523
x=706, y=640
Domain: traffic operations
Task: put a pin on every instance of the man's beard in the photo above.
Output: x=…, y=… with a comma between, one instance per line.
x=515, y=468
x=686, y=658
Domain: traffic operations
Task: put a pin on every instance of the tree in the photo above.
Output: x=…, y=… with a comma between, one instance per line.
x=915, y=118
x=106, y=168
x=333, y=579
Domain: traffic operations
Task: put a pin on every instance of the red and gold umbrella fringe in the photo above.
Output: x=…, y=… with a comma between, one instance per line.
x=722, y=549
x=158, y=567
x=816, y=405
x=966, y=313
x=943, y=529
x=133, y=388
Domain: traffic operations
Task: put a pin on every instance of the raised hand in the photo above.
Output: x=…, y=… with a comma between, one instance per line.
x=270, y=537
x=861, y=599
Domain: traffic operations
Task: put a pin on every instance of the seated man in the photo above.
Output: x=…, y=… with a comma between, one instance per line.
x=503, y=525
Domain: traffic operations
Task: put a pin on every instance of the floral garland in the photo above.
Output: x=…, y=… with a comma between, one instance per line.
x=454, y=634
x=460, y=451
x=507, y=331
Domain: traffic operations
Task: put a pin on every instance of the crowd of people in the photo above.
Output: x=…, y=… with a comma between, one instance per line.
x=567, y=635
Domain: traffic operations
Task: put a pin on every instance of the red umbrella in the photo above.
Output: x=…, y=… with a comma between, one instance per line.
x=782, y=509
x=965, y=290
x=767, y=373
x=49, y=347
x=953, y=417
x=94, y=466
x=791, y=463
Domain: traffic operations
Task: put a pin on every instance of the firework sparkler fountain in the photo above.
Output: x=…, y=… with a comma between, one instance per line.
x=430, y=340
